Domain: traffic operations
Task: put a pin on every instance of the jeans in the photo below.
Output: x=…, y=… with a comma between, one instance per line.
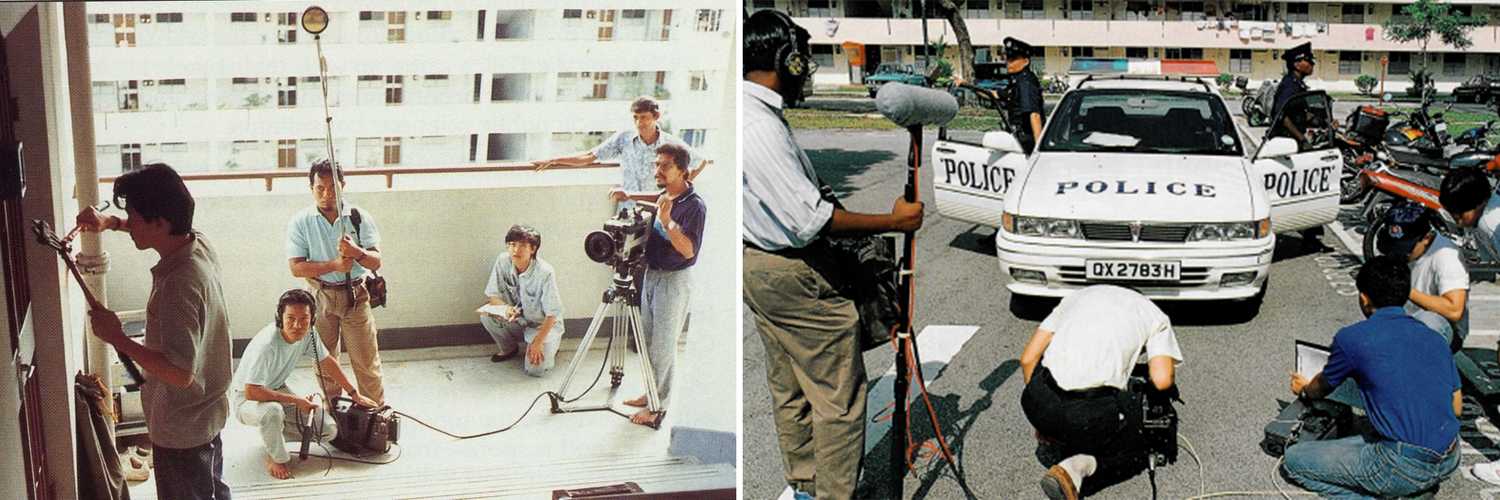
x=1367, y=466
x=511, y=335
x=664, y=308
x=191, y=473
x=1103, y=422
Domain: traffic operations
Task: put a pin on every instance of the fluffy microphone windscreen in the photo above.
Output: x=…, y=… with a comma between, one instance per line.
x=910, y=105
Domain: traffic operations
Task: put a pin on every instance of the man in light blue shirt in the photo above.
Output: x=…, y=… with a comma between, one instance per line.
x=321, y=248
x=635, y=149
x=524, y=286
x=260, y=394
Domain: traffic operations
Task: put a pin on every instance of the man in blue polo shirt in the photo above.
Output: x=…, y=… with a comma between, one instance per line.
x=1411, y=391
x=669, y=255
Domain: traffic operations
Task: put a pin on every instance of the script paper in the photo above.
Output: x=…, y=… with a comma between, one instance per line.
x=1310, y=360
x=495, y=309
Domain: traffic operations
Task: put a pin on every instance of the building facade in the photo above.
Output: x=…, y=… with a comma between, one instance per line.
x=223, y=86
x=1241, y=38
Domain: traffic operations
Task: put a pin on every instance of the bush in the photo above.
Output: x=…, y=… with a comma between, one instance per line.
x=1420, y=81
x=1366, y=84
x=1225, y=81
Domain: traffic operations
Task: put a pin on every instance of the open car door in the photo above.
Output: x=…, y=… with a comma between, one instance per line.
x=1301, y=181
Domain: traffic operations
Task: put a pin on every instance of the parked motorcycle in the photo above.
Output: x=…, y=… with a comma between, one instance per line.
x=1389, y=187
x=1422, y=142
x=1359, y=141
x=1257, y=105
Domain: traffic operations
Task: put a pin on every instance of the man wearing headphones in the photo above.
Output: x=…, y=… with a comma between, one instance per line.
x=524, y=287
x=259, y=392
x=813, y=364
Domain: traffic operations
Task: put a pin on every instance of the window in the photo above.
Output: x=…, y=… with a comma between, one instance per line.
x=244, y=81
x=393, y=89
x=99, y=19
x=368, y=78
x=572, y=14
x=693, y=137
x=823, y=55
x=1196, y=123
x=506, y=147
x=698, y=80
x=708, y=19
x=1400, y=63
x=1297, y=13
x=473, y=146
x=1350, y=62
x=1082, y=51
x=978, y=9
x=396, y=27
x=1190, y=11
x=1184, y=53
x=606, y=25
x=513, y=24
x=169, y=17
x=439, y=15
x=442, y=78
x=172, y=81
x=1239, y=61
x=1454, y=64
x=1032, y=9
x=820, y=8
x=633, y=14
x=480, y=35
x=130, y=97
x=371, y=15
x=286, y=27
x=1080, y=9
x=242, y=17
x=286, y=153
x=1354, y=13
x=1137, y=53
x=130, y=157
x=1138, y=11
x=286, y=92
x=509, y=87
x=477, y=82
x=392, y=151
x=601, y=85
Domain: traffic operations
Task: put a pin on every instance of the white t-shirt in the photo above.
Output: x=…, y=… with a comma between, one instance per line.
x=1488, y=228
x=1099, y=332
x=1440, y=270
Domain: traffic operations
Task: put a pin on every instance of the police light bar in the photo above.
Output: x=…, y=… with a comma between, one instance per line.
x=1156, y=67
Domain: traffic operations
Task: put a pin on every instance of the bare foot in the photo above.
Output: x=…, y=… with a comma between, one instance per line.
x=278, y=471
x=639, y=402
x=643, y=417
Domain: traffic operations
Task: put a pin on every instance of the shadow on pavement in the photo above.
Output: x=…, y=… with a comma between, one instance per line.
x=838, y=166
x=978, y=239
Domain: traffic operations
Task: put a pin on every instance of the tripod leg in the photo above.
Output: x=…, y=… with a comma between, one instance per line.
x=648, y=374
x=583, y=348
x=617, y=347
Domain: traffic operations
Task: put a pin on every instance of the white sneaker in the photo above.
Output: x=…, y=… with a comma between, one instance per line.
x=135, y=468
x=1487, y=472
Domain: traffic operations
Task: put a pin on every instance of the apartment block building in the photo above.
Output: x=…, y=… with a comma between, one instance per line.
x=216, y=86
x=1241, y=38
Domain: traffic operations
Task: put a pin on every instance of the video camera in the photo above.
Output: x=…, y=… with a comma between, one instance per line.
x=1307, y=420
x=1158, y=417
x=622, y=243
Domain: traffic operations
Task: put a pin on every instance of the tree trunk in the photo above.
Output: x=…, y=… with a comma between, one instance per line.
x=950, y=10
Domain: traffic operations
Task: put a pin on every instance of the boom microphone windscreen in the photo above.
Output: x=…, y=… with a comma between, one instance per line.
x=910, y=105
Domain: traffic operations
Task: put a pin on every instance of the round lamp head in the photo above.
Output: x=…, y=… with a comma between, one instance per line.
x=314, y=20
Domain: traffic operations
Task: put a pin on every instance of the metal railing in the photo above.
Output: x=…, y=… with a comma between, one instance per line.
x=390, y=173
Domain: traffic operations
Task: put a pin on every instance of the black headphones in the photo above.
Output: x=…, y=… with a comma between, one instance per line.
x=790, y=62
x=294, y=295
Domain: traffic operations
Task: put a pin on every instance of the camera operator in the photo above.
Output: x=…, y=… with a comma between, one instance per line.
x=321, y=249
x=814, y=366
x=1439, y=282
x=260, y=393
x=1087, y=421
x=187, y=351
x=1411, y=391
x=527, y=288
x=635, y=149
x=670, y=252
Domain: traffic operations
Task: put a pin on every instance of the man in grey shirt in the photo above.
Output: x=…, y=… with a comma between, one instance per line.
x=524, y=287
x=813, y=365
x=186, y=356
x=635, y=149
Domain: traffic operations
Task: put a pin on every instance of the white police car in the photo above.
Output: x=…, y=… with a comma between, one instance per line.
x=1146, y=182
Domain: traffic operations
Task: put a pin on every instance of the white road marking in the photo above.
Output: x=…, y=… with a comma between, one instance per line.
x=937, y=344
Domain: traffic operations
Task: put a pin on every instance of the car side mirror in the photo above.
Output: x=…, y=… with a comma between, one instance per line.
x=1004, y=142
x=1277, y=147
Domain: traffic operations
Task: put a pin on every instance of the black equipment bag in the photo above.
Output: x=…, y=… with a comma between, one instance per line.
x=364, y=431
x=862, y=269
x=374, y=285
x=1368, y=123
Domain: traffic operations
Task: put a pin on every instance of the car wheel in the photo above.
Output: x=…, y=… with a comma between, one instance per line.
x=1248, y=309
x=1369, y=250
x=1031, y=308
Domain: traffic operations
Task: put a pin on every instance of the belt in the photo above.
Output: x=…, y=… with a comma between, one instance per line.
x=1423, y=453
x=342, y=284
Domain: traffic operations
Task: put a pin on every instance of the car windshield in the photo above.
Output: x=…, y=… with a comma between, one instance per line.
x=890, y=68
x=1139, y=121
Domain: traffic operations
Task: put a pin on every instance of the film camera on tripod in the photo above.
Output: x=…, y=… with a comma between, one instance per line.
x=621, y=245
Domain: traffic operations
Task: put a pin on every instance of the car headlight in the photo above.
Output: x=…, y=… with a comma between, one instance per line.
x=1041, y=226
x=1230, y=231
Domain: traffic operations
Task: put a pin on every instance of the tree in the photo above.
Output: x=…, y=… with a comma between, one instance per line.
x=1421, y=20
x=950, y=9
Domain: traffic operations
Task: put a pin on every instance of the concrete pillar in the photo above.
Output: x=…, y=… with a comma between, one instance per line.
x=93, y=260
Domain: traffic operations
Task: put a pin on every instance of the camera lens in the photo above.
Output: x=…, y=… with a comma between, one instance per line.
x=599, y=246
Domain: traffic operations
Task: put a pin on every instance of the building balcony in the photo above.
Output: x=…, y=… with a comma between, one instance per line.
x=441, y=231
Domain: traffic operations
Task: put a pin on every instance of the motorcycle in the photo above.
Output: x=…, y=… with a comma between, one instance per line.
x=1422, y=141
x=1388, y=188
x=1257, y=105
x=1359, y=142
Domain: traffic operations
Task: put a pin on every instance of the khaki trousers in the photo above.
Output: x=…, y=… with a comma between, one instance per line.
x=814, y=369
x=341, y=321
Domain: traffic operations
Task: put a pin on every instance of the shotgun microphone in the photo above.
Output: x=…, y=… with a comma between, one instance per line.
x=912, y=106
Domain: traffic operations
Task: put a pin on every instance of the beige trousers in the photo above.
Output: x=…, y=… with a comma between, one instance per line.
x=341, y=321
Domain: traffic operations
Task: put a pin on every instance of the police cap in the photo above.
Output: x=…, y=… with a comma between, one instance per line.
x=1017, y=48
x=1299, y=53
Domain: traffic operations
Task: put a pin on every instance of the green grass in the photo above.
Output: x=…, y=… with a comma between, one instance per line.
x=1458, y=121
x=968, y=118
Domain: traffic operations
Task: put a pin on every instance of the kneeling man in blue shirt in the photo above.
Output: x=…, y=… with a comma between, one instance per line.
x=1411, y=390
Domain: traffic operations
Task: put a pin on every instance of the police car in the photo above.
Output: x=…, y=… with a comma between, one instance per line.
x=1145, y=180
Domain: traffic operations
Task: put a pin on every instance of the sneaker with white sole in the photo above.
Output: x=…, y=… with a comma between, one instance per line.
x=1487, y=472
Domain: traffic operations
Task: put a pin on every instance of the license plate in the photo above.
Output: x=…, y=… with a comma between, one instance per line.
x=1133, y=270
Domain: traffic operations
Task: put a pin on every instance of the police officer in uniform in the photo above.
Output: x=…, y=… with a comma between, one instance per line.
x=1299, y=64
x=1025, y=99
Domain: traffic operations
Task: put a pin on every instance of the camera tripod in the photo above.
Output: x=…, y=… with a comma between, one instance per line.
x=622, y=305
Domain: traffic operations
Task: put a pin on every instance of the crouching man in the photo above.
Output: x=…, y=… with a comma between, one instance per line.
x=1087, y=422
x=260, y=395
x=525, y=287
x=1411, y=393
